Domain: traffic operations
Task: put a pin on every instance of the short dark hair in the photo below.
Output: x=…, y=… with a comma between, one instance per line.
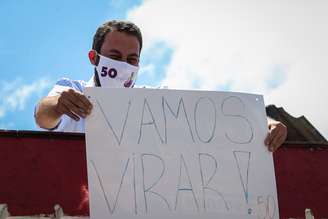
x=121, y=26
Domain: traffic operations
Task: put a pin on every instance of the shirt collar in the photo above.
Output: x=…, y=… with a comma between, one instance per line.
x=91, y=82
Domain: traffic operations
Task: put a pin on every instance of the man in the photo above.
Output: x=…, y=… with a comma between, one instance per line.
x=65, y=107
x=116, y=43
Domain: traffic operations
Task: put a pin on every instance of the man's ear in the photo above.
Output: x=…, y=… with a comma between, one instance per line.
x=93, y=57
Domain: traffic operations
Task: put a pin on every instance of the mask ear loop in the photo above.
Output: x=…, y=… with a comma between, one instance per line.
x=96, y=79
x=94, y=56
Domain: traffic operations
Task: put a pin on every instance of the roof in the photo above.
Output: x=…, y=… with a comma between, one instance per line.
x=299, y=129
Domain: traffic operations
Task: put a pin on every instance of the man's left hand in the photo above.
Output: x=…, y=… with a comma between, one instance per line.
x=276, y=136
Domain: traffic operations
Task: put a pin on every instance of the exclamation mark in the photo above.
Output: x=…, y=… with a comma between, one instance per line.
x=243, y=162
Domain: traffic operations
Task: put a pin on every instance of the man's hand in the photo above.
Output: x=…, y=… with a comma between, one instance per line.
x=276, y=136
x=71, y=103
x=74, y=104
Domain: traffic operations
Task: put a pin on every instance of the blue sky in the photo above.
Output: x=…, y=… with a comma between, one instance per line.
x=42, y=41
x=211, y=45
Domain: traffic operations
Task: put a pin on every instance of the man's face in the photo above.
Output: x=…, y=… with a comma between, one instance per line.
x=122, y=47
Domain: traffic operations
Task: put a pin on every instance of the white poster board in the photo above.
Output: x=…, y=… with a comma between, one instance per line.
x=178, y=154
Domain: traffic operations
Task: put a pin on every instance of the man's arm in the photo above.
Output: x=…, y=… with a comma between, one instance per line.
x=276, y=136
x=71, y=103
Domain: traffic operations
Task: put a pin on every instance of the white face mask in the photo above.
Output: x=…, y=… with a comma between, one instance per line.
x=116, y=74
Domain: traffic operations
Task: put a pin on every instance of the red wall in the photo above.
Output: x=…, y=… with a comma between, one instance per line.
x=39, y=170
x=302, y=181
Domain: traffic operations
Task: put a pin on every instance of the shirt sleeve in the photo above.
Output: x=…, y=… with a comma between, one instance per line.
x=60, y=86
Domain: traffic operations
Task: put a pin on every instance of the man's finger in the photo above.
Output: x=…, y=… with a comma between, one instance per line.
x=80, y=101
x=70, y=114
x=277, y=140
x=75, y=109
x=84, y=100
x=267, y=139
x=274, y=132
x=276, y=143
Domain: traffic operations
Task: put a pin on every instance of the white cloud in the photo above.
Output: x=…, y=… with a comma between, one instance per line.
x=2, y=112
x=277, y=48
x=14, y=95
x=148, y=69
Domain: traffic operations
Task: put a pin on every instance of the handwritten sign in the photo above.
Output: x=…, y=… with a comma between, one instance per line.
x=178, y=154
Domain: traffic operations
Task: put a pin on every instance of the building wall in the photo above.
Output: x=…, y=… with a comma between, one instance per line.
x=39, y=170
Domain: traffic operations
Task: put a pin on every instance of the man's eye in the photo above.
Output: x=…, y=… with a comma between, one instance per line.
x=118, y=58
x=133, y=61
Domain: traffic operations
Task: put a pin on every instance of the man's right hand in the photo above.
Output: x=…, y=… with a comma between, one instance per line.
x=73, y=104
